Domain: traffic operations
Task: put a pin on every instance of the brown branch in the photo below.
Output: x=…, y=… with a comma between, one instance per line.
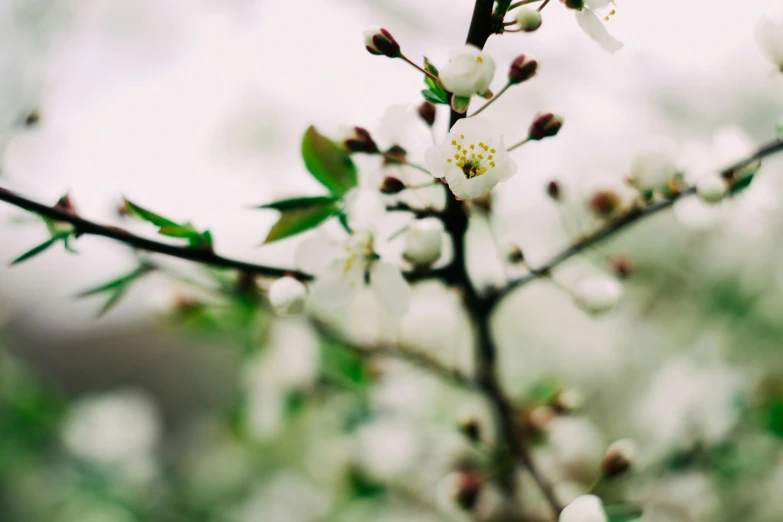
x=85, y=227
x=628, y=219
x=414, y=357
x=204, y=256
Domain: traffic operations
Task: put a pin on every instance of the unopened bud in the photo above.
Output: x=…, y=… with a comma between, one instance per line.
x=394, y=155
x=622, y=266
x=597, y=294
x=574, y=4
x=380, y=42
x=360, y=141
x=553, y=190
x=424, y=241
x=32, y=119
x=711, y=189
x=528, y=19
x=65, y=204
x=471, y=428
x=605, y=203
x=522, y=69
x=427, y=112
x=568, y=401
x=461, y=487
x=618, y=458
x=287, y=296
x=514, y=253
x=545, y=125
x=539, y=418
x=391, y=185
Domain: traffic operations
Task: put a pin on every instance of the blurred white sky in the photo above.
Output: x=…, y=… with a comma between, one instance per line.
x=195, y=108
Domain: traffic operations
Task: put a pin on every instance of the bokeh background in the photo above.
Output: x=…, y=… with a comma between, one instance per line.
x=179, y=406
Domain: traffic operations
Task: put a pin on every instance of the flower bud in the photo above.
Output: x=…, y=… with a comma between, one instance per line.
x=545, y=125
x=391, y=185
x=522, y=69
x=287, y=296
x=461, y=487
x=553, y=190
x=469, y=71
x=597, y=294
x=605, y=203
x=380, y=42
x=622, y=266
x=574, y=4
x=587, y=508
x=65, y=204
x=514, y=253
x=471, y=428
x=711, y=189
x=33, y=118
x=360, y=141
x=568, y=401
x=618, y=458
x=654, y=168
x=424, y=241
x=427, y=112
x=528, y=19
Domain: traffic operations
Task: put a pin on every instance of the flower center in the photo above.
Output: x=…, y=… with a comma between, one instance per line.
x=606, y=11
x=474, y=159
x=359, y=250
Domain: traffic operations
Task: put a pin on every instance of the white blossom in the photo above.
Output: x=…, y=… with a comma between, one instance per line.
x=472, y=159
x=121, y=429
x=469, y=71
x=341, y=267
x=596, y=294
x=711, y=189
x=591, y=19
x=655, y=167
x=424, y=241
x=769, y=35
x=287, y=295
x=587, y=508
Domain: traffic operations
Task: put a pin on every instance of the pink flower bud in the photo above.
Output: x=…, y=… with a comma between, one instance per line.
x=380, y=42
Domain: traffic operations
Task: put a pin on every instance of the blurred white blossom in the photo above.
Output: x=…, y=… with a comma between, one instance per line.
x=770, y=38
x=287, y=295
x=587, y=508
x=598, y=293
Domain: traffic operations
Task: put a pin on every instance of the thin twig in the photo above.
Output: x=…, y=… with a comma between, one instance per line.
x=491, y=100
x=414, y=357
x=631, y=217
x=418, y=67
x=395, y=160
x=518, y=144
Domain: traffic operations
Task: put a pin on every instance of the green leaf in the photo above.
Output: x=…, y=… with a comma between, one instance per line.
x=38, y=249
x=329, y=163
x=150, y=216
x=116, y=288
x=299, y=203
x=300, y=215
x=460, y=104
x=434, y=97
x=742, y=183
x=623, y=513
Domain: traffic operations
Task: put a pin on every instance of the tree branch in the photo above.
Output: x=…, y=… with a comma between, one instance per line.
x=628, y=219
x=85, y=227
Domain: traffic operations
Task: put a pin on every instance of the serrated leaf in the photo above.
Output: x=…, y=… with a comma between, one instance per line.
x=329, y=163
x=149, y=216
x=433, y=97
x=37, y=250
x=302, y=217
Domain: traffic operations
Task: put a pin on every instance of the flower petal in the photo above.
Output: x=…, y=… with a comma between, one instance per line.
x=315, y=254
x=435, y=160
x=475, y=129
x=337, y=288
x=770, y=39
x=595, y=29
x=390, y=288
